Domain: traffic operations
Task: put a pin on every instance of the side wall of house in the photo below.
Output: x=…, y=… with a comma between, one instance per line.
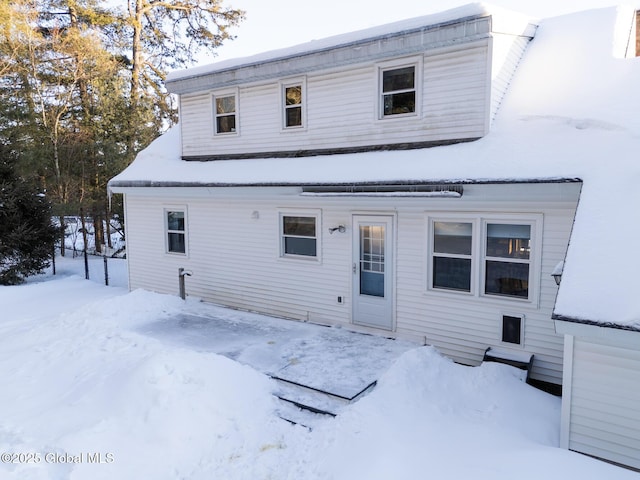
x=341, y=108
x=233, y=250
x=603, y=415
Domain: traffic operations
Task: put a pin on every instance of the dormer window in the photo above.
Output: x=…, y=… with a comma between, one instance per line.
x=293, y=98
x=638, y=33
x=225, y=112
x=398, y=91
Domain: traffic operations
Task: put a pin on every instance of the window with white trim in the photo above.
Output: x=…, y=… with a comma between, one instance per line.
x=398, y=91
x=293, y=104
x=176, y=231
x=452, y=255
x=299, y=235
x=225, y=113
x=491, y=257
x=507, y=257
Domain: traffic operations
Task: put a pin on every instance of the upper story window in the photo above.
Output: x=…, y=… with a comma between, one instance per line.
x=398, y=90
x=176, y=231
x=637, y=33
x=225, y=113
x=293, y=106
x=293, y=94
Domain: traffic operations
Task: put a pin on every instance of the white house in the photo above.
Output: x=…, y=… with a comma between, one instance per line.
x=422, y=179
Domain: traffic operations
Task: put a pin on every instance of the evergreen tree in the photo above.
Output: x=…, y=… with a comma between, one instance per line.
x=27, y=237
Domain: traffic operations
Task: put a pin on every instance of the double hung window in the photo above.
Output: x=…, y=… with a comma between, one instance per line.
x=452, y=254
x=299, y=236
x=507, y=259
x=398, y=91
x=293, y=105
x=480, y=256
x=225, y=113
x=176, y=231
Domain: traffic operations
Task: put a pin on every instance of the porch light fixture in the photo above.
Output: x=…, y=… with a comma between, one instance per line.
x=557, y=272
x=339, y=228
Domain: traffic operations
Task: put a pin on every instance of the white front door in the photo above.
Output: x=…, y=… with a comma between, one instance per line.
x=372, y=271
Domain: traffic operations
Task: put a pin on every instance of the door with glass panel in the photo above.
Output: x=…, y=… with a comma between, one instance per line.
x=372, y=271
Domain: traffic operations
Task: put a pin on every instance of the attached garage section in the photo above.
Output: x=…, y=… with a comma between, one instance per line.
x=601, y=404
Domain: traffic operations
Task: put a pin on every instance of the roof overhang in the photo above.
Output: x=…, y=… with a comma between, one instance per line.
x=603, y=332
x=346, y=50
x=400, y=186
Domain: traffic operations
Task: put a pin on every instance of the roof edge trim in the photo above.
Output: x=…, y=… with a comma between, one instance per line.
x=594, y=323
x=118, y=184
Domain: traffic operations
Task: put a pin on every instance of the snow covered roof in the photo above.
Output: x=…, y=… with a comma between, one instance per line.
x=571, y=112
x=503, y=21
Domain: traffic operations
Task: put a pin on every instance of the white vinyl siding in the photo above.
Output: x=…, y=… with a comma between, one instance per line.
x=453, y=97
x=234, y=240
x=604, y=414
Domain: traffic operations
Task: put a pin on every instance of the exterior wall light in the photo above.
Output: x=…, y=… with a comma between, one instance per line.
x=557, y=272
x=339, y=228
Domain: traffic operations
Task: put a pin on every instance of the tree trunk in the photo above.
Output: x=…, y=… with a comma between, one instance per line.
x=98, y=233
x=107, y=222
x=63, y=227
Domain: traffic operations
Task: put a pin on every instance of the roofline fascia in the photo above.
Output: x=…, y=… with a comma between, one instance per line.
x=173, y=85
x=121, y=184
x=593, y=323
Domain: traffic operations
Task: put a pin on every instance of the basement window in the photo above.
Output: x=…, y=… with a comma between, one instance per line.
x=512, y=329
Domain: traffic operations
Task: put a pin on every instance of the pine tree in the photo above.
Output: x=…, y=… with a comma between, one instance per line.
x=27, y=237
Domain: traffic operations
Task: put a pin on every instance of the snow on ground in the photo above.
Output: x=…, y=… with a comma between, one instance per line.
x=94, y=388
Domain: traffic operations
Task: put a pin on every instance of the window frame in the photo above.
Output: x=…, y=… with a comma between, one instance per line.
x=433, y=254
x=167, y=231
x=416, y=63
x=519, y=316
x=289, y=83
x=479, y=257
x=484, y=258
x=316, y=215
x=214, y=112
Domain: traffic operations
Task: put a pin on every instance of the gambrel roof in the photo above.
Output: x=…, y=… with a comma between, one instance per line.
x=571, y=113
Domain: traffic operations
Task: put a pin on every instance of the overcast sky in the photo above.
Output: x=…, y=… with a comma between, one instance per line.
x=273, y=24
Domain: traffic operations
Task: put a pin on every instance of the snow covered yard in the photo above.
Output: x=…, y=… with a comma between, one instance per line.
x=99, y=383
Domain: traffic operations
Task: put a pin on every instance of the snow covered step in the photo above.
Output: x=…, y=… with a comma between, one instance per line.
x=306, y=405
x=298, y=416
x=309, y=398
x=521, y=360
